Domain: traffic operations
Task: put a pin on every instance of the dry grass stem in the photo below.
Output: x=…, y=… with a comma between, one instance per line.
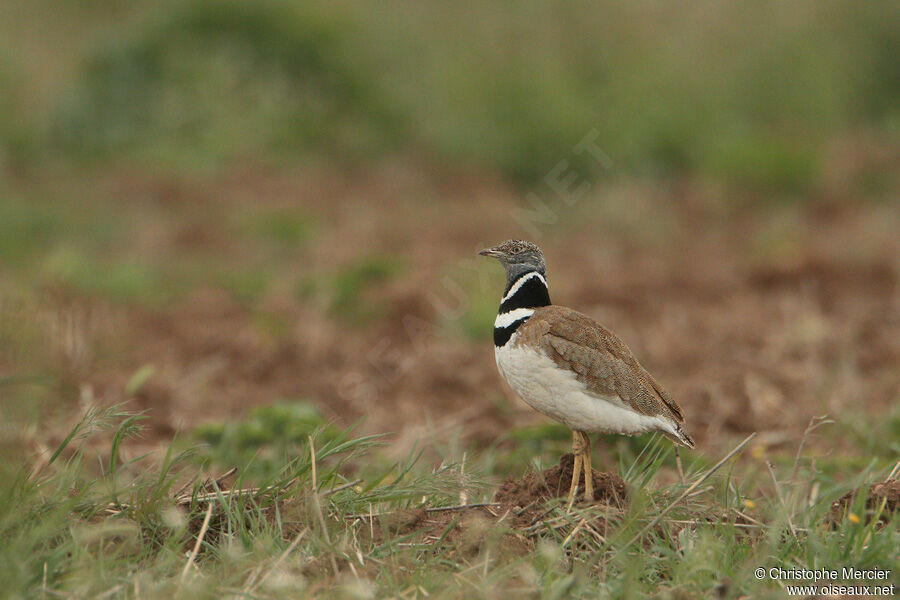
x=318, y=506
x=200, y=536
x=686, y=492
x=814, y=423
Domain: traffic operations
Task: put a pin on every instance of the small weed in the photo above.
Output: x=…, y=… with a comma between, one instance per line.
x=350, y=299
x=283, y=229
x=269, y=436
x=246, y=286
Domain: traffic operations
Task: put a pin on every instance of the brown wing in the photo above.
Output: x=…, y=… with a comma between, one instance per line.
x=599, y=359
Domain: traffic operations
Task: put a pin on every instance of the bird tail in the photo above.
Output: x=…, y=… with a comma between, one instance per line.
x=679, y=436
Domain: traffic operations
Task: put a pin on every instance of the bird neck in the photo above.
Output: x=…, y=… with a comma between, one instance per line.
x=527, y=290
x=523, y=295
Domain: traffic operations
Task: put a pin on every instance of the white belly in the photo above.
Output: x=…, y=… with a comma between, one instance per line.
x=556, y=393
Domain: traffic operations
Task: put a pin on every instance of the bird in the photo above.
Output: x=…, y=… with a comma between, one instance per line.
x=571, y=368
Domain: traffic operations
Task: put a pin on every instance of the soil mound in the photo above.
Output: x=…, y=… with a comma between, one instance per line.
x=887, y=492
x=524, y=499
x=522, y=512
x=536, y=488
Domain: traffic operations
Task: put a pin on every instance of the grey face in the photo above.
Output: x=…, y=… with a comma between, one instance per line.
x=517, y=257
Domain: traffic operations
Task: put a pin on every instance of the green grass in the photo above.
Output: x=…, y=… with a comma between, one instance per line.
x=265, y=439
x=282, y=229
x=75, y=527
x=754, y=98
x=214, y=81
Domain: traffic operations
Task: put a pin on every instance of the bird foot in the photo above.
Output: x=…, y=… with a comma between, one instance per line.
x=581, y=450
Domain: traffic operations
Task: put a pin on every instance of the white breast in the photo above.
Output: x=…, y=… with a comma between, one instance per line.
x=557, y=393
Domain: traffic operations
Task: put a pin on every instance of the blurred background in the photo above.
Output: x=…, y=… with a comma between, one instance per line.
x=253, y=219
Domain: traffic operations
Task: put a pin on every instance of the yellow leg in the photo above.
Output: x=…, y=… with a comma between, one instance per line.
x=577, y=450
x=588, y=472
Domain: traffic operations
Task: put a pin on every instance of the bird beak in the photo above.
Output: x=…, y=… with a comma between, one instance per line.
x=493, y=253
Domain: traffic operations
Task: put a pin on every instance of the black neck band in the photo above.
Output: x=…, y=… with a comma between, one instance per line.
x=532, y=293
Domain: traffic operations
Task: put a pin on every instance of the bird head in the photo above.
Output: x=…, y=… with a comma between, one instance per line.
x=517, y=257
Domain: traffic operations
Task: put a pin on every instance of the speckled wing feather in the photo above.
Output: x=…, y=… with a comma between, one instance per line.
x=599, y=359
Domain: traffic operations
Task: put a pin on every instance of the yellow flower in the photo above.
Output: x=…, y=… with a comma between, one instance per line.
x=757, y=451
x=749, y=504
x=852, y=518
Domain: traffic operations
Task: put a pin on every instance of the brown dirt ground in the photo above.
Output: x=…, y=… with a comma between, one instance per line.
x=754, y=317
x=519, y=507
